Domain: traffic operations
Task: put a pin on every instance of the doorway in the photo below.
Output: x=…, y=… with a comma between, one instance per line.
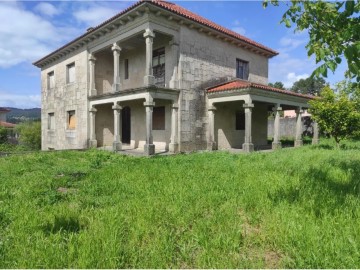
x=126, y=125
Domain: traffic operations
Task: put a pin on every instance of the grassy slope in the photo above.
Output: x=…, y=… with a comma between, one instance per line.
x=291, y=208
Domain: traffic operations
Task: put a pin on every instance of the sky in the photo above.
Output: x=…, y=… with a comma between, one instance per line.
x=30, y=30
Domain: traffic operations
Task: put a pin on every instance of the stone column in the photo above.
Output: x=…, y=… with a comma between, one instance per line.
x=174, y=145
x=149, y=147
x=116, y=51
x=211, y=114
x=175, y=61
x=92, y=90
x=149, y=78
x=248, y=145
x=315, y=139
x=117, y=146
x=92, y=141
x=298, y=132
x=276, y=144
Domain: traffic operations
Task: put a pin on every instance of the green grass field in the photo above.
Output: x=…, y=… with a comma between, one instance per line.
x=293, y=208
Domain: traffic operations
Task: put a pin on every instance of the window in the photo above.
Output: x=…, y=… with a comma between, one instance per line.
x=126, y=68
x=159, y=118
x=51, y=121
x=159, y=66
x=240, y=120
x=50, y=80
x=71, y=118
x=242, y=69
x=70, y=73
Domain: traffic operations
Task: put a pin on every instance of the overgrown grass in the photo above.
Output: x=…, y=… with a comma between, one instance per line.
x=294, y=208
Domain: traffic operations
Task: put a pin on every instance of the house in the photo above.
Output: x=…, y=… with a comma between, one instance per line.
x=157, y=76
x=3, y=123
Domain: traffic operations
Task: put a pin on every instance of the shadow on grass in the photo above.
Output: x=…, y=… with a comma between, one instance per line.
x=64, y=224
x=327, y=189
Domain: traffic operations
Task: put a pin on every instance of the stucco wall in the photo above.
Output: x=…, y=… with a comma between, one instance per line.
x=62, y=98
x=226, y=134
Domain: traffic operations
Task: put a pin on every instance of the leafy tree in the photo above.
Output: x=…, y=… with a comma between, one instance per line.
x=334, y=31
x=309, y=86
x=336, y=113
x=279, y=85
x=3, y=135
x=30, y=135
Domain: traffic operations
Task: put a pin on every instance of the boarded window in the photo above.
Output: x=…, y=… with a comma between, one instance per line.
x=51, y=80
x=70, y=73
x=126, y=68
x=71, y=120
x=159, y=66
x=159, y=118
x=51, y=121
x=240, y=120
x=242, y=69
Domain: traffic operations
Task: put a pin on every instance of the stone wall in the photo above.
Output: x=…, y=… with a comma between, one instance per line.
x=205, y=61
x=62, y=98
x=288, y=127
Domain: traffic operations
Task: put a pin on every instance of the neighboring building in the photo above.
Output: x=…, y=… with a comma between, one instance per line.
x=3, y=123
x=158, y=75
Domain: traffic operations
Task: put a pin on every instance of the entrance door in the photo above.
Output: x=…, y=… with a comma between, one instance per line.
x=126, y=125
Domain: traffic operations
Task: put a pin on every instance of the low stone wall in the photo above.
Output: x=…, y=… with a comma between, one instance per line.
x=288, y=127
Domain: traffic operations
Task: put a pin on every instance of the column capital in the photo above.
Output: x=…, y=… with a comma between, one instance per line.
x=212, y=108
x=92, y=110
x=248, y=105
x=277, y=108
x=117, y=107
x=116, y=47
x=149, y=104
x=174, y=42
x=175, y=106
x=91, y=58
x=299, y=111
x=149, y=33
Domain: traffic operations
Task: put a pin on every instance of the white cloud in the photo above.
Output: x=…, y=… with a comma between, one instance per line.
x=47, y=9
x=291, y=43
x=27, y=35
x=238, y=29
x=94, y=15
x=292, y=77
x=20, y=101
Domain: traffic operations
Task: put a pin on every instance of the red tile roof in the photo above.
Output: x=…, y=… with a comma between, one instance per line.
x=7, y=125
x=177, y=10
x=240, y=84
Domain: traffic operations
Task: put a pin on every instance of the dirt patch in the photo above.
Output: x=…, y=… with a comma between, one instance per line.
x=65, y=190
x=272, y=259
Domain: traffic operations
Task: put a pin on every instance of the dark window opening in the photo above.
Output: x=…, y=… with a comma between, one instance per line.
x=159, y=66
x=126, y=125
x=240, y=120
x=159, y=118
x=242, y=69
x=126, y=67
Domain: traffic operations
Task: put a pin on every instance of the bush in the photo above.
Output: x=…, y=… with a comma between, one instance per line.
x=30, y=135
x=3, y=135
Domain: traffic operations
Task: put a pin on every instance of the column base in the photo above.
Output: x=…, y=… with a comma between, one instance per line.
x=248, y=147
x=92, y=143
x=173, y=147
x=298, y=143
x=149, y=149
x=276, y=145
x=117, y=146
x=116, y=87
x=93, y=92
x=211, y=146
x=315, y=141
x=149, y=80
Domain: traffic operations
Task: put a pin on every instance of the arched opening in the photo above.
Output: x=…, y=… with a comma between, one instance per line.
x=126, y=125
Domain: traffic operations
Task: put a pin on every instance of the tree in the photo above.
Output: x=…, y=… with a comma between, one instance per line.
x=278, y=85
x=30, y=134
x=336, y=113
x=309, y=86
x=334, y=31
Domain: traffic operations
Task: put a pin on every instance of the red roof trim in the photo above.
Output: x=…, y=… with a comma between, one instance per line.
x=7, y=125
x=240, y=84
x=175, y=9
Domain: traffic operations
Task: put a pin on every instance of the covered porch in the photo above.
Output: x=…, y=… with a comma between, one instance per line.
x=238, y=114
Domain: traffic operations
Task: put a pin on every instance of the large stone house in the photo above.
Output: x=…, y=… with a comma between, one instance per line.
x=157, y=76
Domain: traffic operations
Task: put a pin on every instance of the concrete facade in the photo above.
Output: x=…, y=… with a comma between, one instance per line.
x=196, y=57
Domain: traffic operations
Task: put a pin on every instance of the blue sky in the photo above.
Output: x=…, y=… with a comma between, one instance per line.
x=31, y=29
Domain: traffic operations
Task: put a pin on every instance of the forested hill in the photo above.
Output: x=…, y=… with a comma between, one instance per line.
x=20, y=115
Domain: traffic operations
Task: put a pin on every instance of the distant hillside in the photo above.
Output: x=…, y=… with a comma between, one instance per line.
x=21, y=115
